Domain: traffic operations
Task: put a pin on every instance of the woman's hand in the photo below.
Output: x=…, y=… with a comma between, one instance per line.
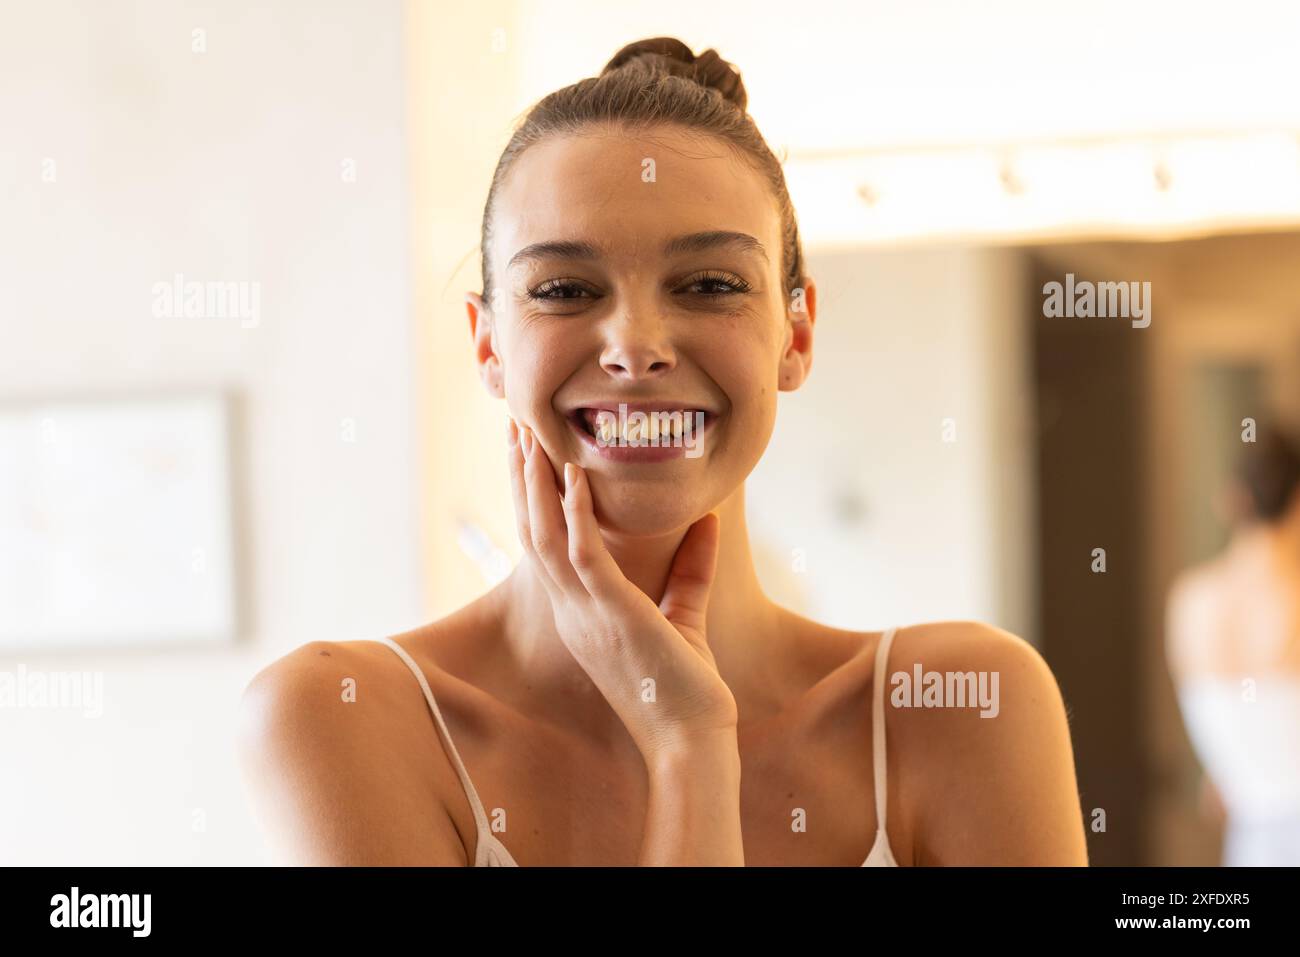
x=652, y=663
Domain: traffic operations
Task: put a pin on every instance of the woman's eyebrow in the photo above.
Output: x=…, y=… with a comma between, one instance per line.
x=700, y=242
x=554, y=249
x=691, y=243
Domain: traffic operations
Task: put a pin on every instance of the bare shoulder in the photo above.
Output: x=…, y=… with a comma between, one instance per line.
x=1194, y=587
x=966, y=645
x=1191, y=617
x=326, y=747
x=303, y=689
x=986, y=757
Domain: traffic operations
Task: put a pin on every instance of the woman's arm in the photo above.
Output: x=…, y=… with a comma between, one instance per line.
x=997, y=790
x=329, y=780
x=1209, y=802
x=693, y=815
x=621, y=637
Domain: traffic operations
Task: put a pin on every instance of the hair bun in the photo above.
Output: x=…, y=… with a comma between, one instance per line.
x=673, y=56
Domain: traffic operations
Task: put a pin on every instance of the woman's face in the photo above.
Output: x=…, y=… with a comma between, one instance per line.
x=639, y=296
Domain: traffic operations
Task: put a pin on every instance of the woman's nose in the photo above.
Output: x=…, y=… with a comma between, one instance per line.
x=636, y=348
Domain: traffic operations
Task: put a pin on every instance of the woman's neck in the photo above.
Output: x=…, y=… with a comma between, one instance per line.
x=743, y=623
x=1277, y=542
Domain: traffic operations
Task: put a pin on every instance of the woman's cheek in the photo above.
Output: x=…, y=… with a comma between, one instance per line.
x=749, y=374
x=533, y=372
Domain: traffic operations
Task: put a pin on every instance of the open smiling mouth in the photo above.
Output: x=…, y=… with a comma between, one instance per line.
x=642, y=435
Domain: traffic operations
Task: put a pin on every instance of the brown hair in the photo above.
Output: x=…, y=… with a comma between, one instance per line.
x=650, y=82
x=1269, y=468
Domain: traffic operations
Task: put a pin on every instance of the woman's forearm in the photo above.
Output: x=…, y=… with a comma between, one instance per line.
x=693, y=813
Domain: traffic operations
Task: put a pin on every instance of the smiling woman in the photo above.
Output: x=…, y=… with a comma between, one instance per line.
x=640, y=251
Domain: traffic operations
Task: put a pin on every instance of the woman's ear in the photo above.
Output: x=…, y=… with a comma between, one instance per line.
x=796, y=357
x=482, y=330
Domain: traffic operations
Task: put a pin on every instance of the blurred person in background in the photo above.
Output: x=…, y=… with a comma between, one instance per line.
x=1233, y=645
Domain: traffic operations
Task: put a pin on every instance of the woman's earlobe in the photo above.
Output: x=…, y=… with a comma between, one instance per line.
x=792, y=378
x=493, y=378
x=797, y=361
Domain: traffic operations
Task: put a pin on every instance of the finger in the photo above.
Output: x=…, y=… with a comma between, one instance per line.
x=519, y=495
x=686, y=598
x=546, y=517
x=588, y=555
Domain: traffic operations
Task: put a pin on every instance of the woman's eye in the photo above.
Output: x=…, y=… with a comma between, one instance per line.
x=720, y=284
x=557, y=289
x=708, y=285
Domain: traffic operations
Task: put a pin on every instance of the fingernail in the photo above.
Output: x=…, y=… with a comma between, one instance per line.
x=570, y=476
x=528, y=443
x=512, y=432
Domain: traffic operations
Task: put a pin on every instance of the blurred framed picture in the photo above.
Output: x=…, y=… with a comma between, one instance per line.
x=115, y=523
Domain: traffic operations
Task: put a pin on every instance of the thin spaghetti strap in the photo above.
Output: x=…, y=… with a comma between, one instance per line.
x=480, y=816
x=878, y=725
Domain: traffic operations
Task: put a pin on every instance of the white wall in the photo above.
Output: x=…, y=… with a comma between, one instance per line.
x=223, y=165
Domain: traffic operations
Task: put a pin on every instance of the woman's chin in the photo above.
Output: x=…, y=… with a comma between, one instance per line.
x=645, y=516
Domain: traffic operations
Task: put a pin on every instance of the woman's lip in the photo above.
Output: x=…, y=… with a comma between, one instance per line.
x=639, y=453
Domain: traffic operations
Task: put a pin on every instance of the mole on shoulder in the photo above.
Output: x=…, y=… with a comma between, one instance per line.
x=326, y=654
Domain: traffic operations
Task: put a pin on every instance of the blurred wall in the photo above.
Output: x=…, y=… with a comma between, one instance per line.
x=463, y=96
x=223, y=165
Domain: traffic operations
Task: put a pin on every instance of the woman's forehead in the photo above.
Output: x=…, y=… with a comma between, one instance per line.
x=630, y=192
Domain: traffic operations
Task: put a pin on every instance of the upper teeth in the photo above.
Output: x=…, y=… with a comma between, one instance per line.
x=647, y=426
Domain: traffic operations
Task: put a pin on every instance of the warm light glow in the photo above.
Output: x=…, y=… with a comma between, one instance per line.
x=1125, y=188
